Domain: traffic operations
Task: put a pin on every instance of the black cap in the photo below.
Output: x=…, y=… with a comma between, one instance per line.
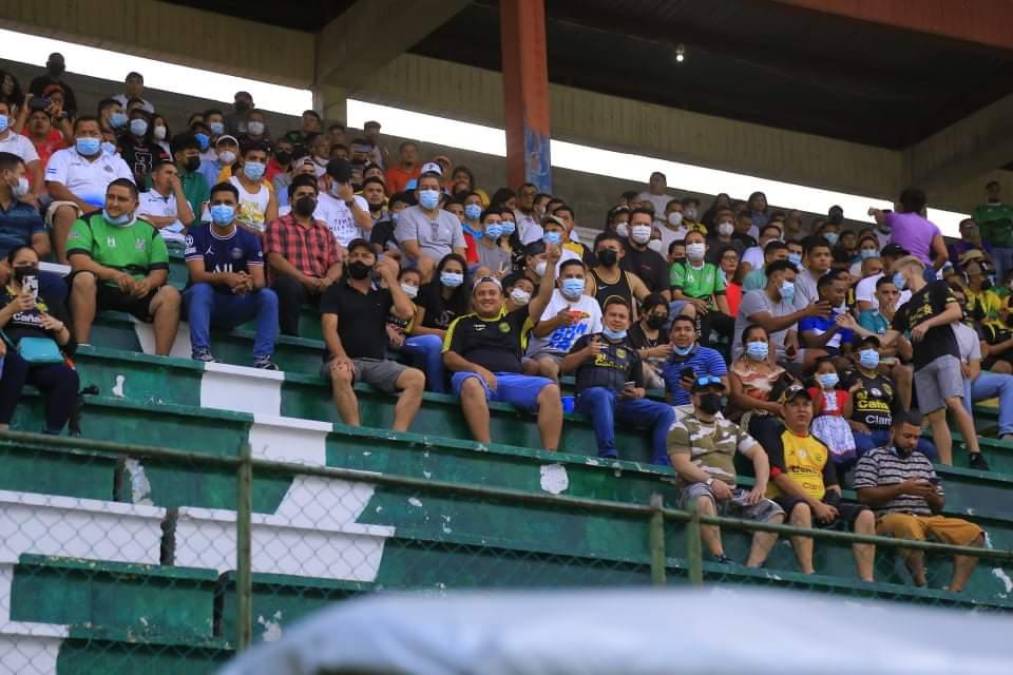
x=894, y=250
x=340, y=170
x=870, y=341
x=705, y=382
x=795, y=391
x=358, y=243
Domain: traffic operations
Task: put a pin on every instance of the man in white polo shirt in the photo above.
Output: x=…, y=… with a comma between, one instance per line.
x=22, y=146
x=165, y=205
x=77, y=179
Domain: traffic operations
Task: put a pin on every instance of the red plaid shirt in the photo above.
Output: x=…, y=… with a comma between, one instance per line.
x=311, y=250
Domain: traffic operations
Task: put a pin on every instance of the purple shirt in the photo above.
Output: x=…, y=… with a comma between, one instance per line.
x=912, y=232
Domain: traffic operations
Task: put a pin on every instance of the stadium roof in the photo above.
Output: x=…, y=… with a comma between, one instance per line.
x=752, y=60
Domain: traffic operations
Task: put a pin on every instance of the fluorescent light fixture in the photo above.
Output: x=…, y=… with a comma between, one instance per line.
x=110, y=65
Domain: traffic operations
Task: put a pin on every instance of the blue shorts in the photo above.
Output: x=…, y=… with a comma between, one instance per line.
x=520, y=391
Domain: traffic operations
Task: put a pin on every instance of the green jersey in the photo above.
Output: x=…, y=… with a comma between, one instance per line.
x=135, y=248
x=698, y=282
x=996, y=223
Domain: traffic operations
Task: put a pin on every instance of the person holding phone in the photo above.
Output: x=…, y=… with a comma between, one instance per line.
x=610, y=384
x=25, y=316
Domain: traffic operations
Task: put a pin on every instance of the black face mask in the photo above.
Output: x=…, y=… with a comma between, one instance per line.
x=656, y=321
x=358, y=270
x=679, y=261
x=283, y=157
x=192, y=164
x=608, y=257
x=710, y=403
x=27, y=271
x=375, y=207
x=304, y=206
x=55, y=69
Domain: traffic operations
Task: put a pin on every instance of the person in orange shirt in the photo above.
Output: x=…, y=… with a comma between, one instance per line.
x=407, y=168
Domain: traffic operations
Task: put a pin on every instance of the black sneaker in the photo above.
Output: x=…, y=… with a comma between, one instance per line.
x=203, y=355
x=265, y=363
x=977, y=461
x=723, y=559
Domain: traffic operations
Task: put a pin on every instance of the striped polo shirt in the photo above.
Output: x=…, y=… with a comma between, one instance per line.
x=884, y=466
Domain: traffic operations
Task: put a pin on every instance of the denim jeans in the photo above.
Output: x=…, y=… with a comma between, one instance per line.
x=604, y=407
x=206, y=307
x=991, y=385
x=426, y=351
x=1003, y=259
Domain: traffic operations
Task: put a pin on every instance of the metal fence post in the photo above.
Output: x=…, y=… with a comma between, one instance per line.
x=694, y=549
x=244, y=572
x=656, y=528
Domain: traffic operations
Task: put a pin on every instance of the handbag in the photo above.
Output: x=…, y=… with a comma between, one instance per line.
x=40, y=350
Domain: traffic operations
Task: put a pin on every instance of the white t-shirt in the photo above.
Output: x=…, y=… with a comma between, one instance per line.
x=252, y=211
x=968, y=342
x=865, y=291
x=668, y=235
x=528, y=229
x=659, y=202
x=86, y=180
x=562, y=338
x=145, y=105
x=19, y=145
x=754, y=256
x=339, y=218
x=151, y=203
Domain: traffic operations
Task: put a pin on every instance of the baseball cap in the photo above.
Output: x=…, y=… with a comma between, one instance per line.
x=370, y=124
x=795, y=391
x=431, y=167
x=553, y=219
x=340, y=170
x=894, y=250
x=870, y=341
x=358, y=243
x=226, y=137
x=705, y=382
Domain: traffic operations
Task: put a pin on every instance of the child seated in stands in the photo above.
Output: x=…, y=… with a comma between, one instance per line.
x=828, y=423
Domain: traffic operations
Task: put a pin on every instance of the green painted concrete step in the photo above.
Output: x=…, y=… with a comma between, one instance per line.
x=147, y=600
x=97, y=652
x=83, y=474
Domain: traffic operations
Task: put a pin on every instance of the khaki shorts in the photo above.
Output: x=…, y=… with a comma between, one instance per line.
x=954, y=531
x=381, y=374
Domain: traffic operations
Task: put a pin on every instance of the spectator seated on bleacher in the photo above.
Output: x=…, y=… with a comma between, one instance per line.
x=569, y=316
x=902, y=487
x=425, y=232
x=121, y=263
x=164, y=205
x=640, y=259
x=688, y=361
x=610, y=384
x=437, y=304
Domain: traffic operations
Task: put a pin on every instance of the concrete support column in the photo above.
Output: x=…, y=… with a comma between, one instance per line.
x=331, y=102
x=526, y=92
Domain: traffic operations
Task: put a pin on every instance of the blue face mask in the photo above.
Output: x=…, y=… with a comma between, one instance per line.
x=118, y=220
x=867, y=253
x=494, y=232
x=787, y=291
x=254, y=170
x=117, y=120
x=828, y=380
x=832, y=238
x=572, y=288
x=899, y=281
x=472, y=211
x=108, y=148
x=757, y=351
x=222, y=214
x=451, y=279
x=868, y=359
x=203, y=140
x=4, y=121
x=795, y=259
x=613, y=335
x=553, y=238
x=217, y=128
x=88, y=146
x=138, y=127
x=508, y=227
x=394, y=217
x=683, y=351
x=429, y=199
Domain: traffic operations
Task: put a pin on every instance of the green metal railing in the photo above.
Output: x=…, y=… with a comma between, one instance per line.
x=654, y=513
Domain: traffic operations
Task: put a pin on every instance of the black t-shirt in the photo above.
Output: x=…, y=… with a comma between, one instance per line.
x=362, y=319
x=639, y=339
x=382, y=234
x=495, y=344
x=616, y=364
x=939, y=340
x=874, y=402
x=29, y=323
x=140, y=157
x=621, y=288
x=439, y=312
x=649, y=266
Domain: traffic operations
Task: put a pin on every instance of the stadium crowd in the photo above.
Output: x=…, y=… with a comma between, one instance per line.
x=814, y=349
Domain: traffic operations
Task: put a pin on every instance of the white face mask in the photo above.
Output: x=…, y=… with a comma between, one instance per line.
x=725, y=229
x=675, y=219
x=255, y=127
x=622, y=230
x=520, y=296
x=656, y=245
x=409, y=290
x=540, y=268
x=640, y=233
x=159, y=133
x=690, y=213
x=227, y=156
x=696, y=251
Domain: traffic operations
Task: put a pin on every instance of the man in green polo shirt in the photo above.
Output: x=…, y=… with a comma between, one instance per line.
x=995, y=221
x=702, y=285
x=121, y=263
x=186, y=154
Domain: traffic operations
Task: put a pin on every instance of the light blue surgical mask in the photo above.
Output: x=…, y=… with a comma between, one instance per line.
x=118, y=220
x=787, y=291
x=203, y=140
x=613, y=335
x=572, y=288
x=451, y=279
x=899, y=281
x=138, y=127
x=867, y=253
x=254, y=170
x=217, y=128
x=683, y=351
x=757, y=351
x=508, y=227
x=795, y=259
x=88, y=146
x=832, y=238
x=494, y=231
x=222, y=214
x=429, y=199
x=394, y=217
x=472, y=211
x=868, y=359
x=828, y=380
x=554, y=238
x=4, y=122
x=108, y=148
x=117, y=120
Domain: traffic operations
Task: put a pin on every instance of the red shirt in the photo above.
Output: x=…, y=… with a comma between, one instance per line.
x=397, y=178
x=50, y=144
x=733, y=294
x=311, y=250
x=471, y=254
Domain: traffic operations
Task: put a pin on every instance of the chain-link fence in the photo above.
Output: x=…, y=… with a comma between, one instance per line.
x=140, y=559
